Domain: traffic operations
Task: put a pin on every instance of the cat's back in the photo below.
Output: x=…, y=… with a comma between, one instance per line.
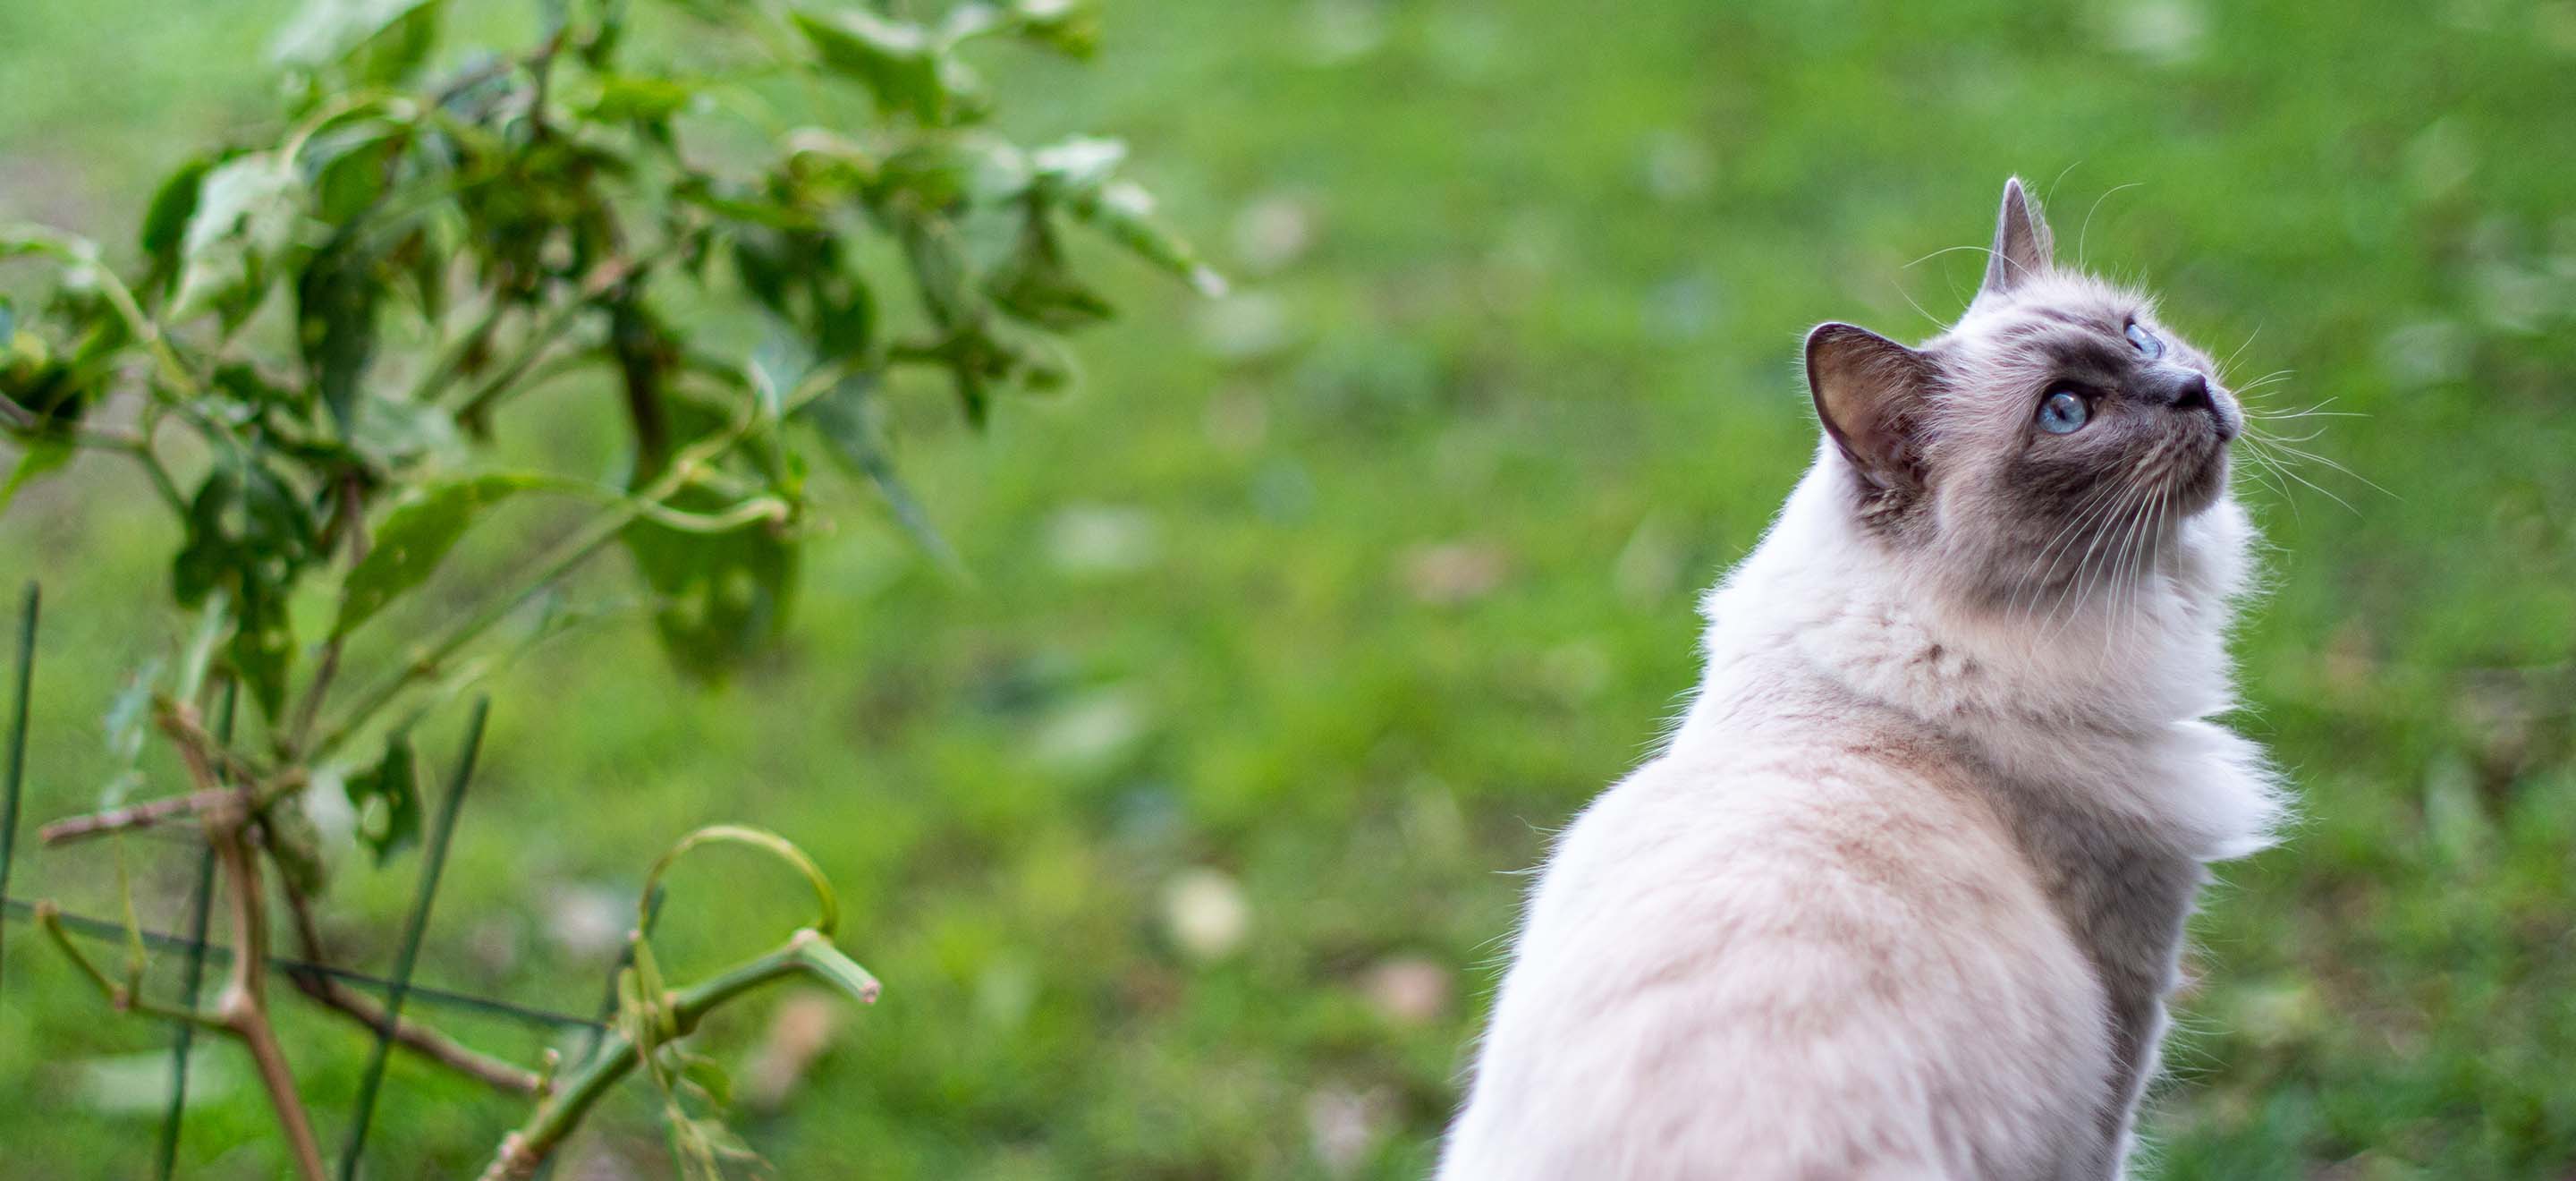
x=1788, y=957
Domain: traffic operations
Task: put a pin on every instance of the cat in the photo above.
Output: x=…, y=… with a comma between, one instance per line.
x=1904, y=893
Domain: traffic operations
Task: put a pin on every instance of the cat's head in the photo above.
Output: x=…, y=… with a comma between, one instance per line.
x=2055, y=440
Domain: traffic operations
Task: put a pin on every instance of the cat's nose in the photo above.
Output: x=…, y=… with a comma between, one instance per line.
x=2182, y=389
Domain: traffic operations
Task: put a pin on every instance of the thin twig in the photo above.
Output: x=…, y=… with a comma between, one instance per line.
x=183, y=1039
x=430, y=1044
x=244, y=1008
x=131, y=816
x=208, y=761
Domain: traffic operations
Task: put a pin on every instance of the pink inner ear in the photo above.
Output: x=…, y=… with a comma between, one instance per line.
x=1868, y=392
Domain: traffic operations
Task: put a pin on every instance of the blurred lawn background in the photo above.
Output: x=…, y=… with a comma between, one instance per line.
x=1184, y=838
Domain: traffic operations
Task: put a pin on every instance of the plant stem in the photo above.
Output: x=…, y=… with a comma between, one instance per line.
x=132, y=816
x=571, y=553
x=13, y=774
x=201, y=901
x=452, y=361
x=523, y=1150
x=428, y=1043
x=684, y=468
x=245, y=1005
x=541, y=336
x=121, y=997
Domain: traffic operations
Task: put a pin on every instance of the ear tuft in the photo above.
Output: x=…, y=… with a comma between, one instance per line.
x=2022, y=248
x=1870, y=393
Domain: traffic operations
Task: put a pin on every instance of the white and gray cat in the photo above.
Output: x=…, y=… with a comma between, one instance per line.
x=1905, y=893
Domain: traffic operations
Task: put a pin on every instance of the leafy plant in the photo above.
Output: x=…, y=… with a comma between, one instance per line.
x=317, y=334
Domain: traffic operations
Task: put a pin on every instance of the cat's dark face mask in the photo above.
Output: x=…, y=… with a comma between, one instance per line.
x=2057, y=438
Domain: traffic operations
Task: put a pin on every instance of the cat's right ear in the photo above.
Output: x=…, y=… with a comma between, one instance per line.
x=2023, y=245
x=1870, y=392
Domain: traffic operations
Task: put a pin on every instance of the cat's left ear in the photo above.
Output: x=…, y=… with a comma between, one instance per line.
x=1871, y=393
x=2023, y=247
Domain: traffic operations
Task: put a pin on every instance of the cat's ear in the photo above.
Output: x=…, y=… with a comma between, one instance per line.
x=2022, y=246
x=1870, y=391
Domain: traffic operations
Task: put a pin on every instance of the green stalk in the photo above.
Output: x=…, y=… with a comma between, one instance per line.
x=15, y=772
x=807, y=952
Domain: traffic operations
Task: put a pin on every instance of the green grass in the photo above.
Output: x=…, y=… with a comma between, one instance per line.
x=1559, y=263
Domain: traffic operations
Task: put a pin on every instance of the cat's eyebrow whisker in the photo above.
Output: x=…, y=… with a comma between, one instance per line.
x=1909, y=298
x=2087, y=229
x=1986, y=250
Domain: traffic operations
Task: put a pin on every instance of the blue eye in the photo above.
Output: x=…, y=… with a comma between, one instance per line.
x=2146, y=342
x=2063, y=412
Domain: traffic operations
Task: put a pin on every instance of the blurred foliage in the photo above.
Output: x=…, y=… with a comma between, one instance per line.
x=319, y=324
x=1182, y=842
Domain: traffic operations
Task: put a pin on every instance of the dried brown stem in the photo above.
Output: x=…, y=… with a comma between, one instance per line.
x=202, y=753
x=132, y=816
x=367, y=1011
x=244, y=1008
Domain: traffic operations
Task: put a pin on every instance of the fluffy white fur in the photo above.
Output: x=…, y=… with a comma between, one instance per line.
x=1904, y=894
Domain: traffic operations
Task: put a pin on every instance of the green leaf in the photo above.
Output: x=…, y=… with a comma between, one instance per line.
x=414, y=539
x=248, y=212
x=262, y=651
x=371, y=42
x=335, y=301
x=940, y=269
x=641, y=99
x=393, y=434
x=1034, y=284
x=349, y=167
x=708, y=1077
x=722, y=595
x=850, y=417
x=249, y=535
x=165, y=223
x=125, y=725
x=1077, y=167
x=1080, y=175
x=1069, y=27
x=247, y=531
x=393, y=783
x=43, y=454
x=899, y=62
x=1125, y=212
x=942, y=175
